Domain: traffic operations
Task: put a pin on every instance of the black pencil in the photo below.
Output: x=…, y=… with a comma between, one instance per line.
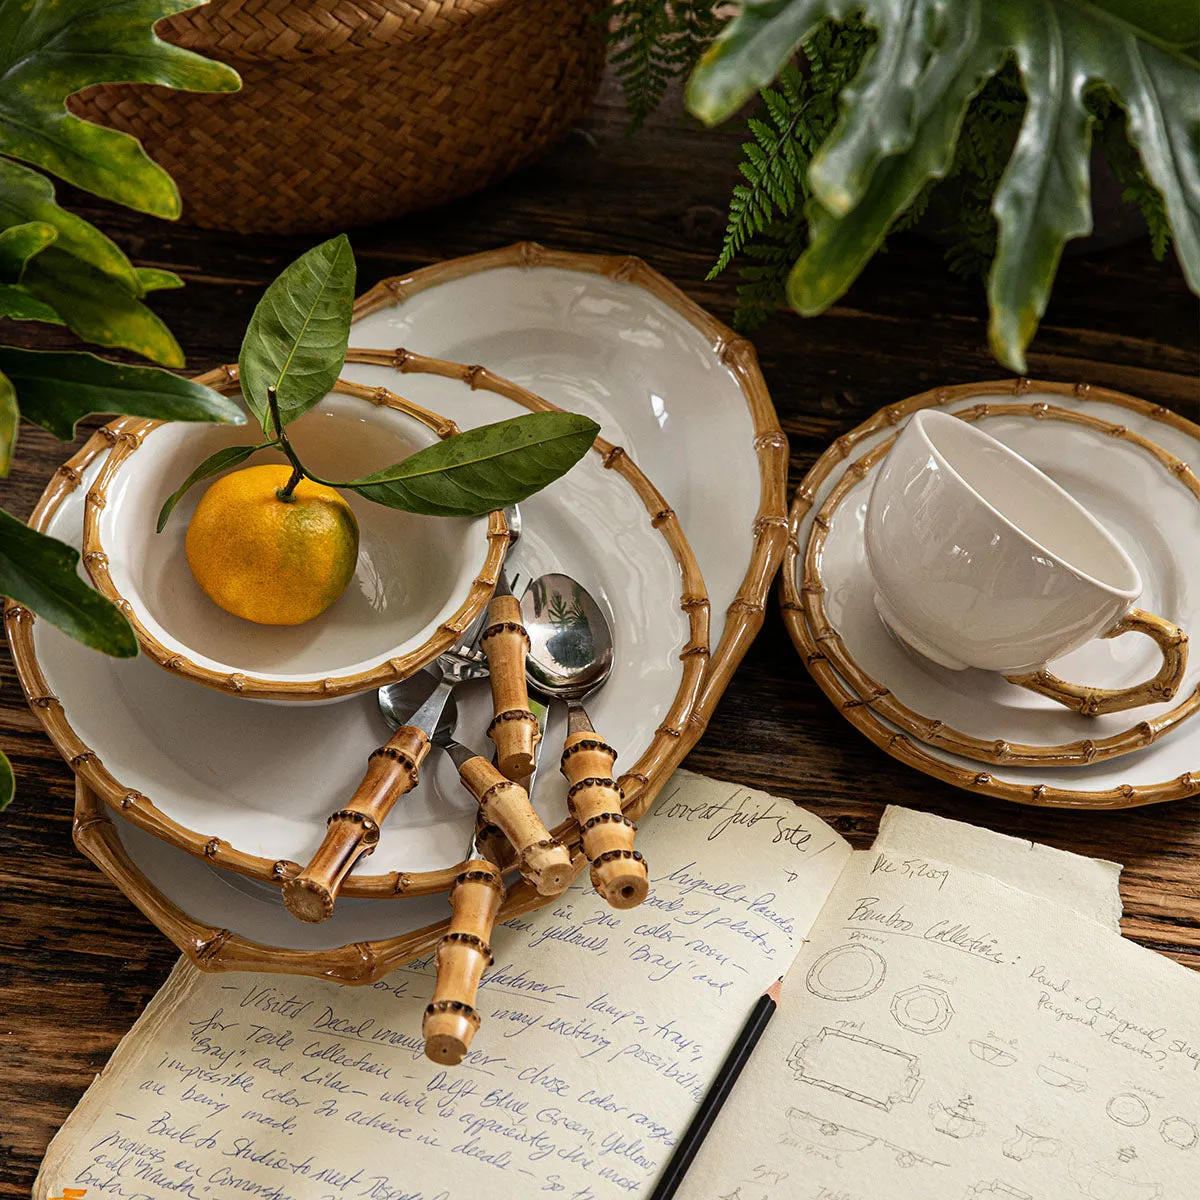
x=714, y=1100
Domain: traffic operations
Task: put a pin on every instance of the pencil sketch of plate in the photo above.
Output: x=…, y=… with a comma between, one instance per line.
x=848, y=972
x=1129, y=488
x=249, y=786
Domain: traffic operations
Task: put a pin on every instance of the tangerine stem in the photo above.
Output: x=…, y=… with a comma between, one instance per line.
x=284, y=493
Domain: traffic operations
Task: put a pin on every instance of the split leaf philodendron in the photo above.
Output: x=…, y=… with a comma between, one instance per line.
x=293, y=350
x=901, y=114
x=56, y=268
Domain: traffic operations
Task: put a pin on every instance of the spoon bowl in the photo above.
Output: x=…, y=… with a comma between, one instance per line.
x=570, y=655
x=570, y=642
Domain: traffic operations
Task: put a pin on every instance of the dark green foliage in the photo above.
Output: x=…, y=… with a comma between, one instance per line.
x=770, y=213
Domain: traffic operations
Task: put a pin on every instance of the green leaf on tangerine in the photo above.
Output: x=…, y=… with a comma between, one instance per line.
x=214, y=464
x=296, y=340
x=485, y=468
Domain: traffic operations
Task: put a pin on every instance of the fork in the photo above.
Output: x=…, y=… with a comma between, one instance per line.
x=392, y=771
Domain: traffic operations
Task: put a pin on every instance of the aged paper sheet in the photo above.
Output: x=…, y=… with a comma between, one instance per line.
x=601, y=1032
x=946, y=1037
x=1088, y=885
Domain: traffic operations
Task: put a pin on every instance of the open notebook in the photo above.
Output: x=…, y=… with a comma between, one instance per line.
x=960, y=1020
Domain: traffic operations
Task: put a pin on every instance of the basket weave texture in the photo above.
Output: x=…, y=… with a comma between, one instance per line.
x=351, y=113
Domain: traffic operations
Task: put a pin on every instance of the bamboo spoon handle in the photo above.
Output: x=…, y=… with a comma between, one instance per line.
x=514, y=728
x=353, y=831
x=594, y=799
x=463, y=954
x=542, y=860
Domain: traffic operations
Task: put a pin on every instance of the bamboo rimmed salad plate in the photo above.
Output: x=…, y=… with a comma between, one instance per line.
x=1134, y=466
x=566, y=326
x=248, y=786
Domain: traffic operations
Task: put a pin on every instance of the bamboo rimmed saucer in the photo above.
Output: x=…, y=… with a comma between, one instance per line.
x=1094, y=785
x=931, y=730
x=653, y=762
x=391, y=655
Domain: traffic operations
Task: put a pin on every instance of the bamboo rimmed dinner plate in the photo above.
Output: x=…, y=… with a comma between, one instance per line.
x=1125, y=459
x=553, y=326
x=249, y=786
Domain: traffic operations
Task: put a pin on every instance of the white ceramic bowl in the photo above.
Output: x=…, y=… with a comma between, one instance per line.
x=418, y=583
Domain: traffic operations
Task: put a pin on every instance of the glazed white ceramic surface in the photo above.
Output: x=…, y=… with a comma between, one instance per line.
x=981, y=560
x=585, y=342
x=1149, y=512
x=265, y=777
x=413, y=572
x=611, y=350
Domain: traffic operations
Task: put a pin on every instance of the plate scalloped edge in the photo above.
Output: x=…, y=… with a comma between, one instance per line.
x=855, y=708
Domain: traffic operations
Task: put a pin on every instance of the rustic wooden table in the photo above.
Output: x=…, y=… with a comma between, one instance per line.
x=78, y=962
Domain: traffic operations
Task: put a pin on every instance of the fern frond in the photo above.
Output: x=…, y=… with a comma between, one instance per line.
x=766, y=221
x=653, y=42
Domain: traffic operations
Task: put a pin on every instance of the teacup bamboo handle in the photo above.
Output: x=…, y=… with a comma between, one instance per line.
x=514, y=728
x=1094, y=701
x=353, y=831
x=594, y=799
x=463, y=954
x=542, y=860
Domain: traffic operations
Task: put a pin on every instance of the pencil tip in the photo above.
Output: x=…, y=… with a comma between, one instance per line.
x=775, y=990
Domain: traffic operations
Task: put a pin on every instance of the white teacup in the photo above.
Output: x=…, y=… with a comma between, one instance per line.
x=981, y=560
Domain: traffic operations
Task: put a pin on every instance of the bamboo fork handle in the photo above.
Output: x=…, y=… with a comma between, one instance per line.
x=594, y=799
x=542, y=860
x=353, y=831
x=514, y=728
x=463, y=954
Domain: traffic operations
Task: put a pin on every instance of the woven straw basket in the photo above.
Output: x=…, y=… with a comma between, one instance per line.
x=357, y=111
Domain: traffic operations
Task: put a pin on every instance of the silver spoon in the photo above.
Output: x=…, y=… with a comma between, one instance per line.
x=570, y=656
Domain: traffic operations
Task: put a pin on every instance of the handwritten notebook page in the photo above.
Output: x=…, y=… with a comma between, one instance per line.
x=946, y=1037
x=601, y=1032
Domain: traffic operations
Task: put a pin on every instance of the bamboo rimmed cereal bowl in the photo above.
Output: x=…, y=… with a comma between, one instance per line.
x=418, y=583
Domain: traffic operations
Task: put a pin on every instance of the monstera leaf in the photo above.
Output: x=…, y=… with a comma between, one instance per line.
x=53, y=48
x=901, y=116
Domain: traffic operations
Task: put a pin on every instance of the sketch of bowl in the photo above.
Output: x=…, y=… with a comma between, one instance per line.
x=996, y=1056
x=1176, y=1131
x=1128, y=1109
x=847, y=972
x=922, y=1009
x=1056, y=1078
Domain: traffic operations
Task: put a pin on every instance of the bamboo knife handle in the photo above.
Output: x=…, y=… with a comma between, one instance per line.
x=543, y=860
x=594, y=799
x=514, y=728
x=463, y=954
x=353, y=831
